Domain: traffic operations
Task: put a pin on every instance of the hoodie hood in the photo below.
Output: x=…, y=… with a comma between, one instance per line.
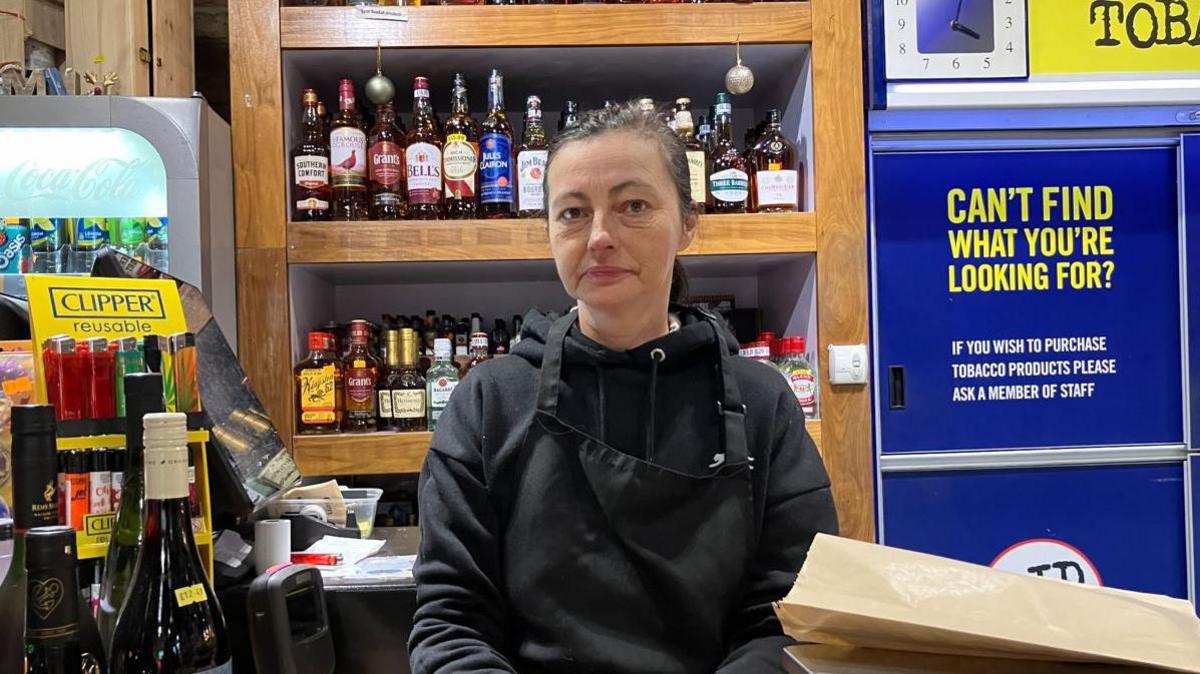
x=655, y=401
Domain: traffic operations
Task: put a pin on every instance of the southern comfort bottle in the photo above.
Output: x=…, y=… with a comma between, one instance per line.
x=310, y=166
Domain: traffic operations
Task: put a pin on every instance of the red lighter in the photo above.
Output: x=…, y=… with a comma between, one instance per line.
x=64, y=377
x=100, y=367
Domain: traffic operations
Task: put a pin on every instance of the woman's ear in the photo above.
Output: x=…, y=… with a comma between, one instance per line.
x=689, y=228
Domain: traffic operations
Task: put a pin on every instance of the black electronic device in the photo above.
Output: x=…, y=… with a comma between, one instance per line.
x=289, y=627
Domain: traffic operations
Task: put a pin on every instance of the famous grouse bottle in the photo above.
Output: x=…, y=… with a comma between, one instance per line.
x=348, y=158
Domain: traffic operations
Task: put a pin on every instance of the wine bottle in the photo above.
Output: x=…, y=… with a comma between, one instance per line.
x=35, y=504
x=52, y=606
x=143, y=394
x=171, y=622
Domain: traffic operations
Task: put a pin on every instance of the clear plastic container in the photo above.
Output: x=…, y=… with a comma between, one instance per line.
x=362, y=502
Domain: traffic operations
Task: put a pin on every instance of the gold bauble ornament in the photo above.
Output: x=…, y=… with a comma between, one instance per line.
x=739, y=79
x=380, y=89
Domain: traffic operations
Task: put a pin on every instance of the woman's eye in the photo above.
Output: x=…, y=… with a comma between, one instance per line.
x=570, y=214
x=636, y=206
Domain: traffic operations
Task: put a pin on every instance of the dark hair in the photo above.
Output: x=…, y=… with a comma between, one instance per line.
x=630, y=118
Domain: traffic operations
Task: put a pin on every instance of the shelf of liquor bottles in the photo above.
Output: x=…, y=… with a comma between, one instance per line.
x=550, y=25
x=524, y=239
x=385, y=453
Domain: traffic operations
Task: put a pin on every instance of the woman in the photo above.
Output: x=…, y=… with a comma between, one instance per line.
x=623, y=493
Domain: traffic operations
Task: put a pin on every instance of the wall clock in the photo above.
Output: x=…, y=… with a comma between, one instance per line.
x=955, y=39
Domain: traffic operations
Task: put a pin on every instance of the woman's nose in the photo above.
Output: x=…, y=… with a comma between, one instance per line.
x=603, y=234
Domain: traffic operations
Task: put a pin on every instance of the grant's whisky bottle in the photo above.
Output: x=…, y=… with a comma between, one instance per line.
x=423, y=156
x=460, y=156
x=386, y=165
x=310, y=166
x=362, y=374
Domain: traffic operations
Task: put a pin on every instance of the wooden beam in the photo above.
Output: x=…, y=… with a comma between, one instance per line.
x=842, y=307
x=12, y=32
x=46, y=22
x=114, y=30
x=173, y=54
x=264, y=341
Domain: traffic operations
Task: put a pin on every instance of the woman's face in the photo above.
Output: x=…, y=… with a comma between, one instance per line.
x=615, y=224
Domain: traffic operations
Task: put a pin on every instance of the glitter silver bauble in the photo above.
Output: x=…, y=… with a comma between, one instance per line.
x=739, y=79
x=380, y=89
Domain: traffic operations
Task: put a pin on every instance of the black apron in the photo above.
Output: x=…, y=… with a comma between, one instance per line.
x=613, y=563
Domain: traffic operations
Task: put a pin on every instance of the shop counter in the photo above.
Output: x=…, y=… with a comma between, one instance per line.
x=821, y=659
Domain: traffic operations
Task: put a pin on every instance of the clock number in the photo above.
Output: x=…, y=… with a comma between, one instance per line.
x=987, y=63
x=903, y=48
x=955, y=64
x=926, y=60
x=1009, y=47
x=1007, y=22
x=902, y=23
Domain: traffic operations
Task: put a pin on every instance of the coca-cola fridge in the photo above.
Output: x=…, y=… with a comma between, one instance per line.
x=151, y=177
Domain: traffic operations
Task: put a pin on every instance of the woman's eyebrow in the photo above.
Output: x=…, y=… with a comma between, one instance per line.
x=633, y=182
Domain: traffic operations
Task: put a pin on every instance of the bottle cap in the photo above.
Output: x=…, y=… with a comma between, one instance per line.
x=316, y=341
x=310, y=96
x=33, y=419
x=166, y=455
x=165, y=429
x=95, y=344
x=441, y=348
x=181, y=340
x=124, y=344
x=59, y=344
x=49, y=547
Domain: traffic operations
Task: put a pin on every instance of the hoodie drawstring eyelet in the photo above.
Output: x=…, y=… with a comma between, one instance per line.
x=657, y=356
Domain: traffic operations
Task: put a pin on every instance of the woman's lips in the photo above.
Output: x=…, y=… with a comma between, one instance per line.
x=605, y=274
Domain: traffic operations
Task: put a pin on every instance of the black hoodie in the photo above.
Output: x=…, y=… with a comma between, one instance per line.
x=463, y=621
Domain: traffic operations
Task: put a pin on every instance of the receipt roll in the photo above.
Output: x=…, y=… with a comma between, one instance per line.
x=272, y=544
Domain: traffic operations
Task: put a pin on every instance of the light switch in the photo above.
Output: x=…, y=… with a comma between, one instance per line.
x=847, y=363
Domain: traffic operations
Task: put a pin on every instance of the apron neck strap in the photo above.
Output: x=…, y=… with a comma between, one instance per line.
x=552, y=358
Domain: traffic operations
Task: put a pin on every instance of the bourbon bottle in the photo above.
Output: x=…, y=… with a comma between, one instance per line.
x=697, y=158
x=319, y=381
x=423, y=156
x=496, y=155
x=460, y=156
x=362, y=374
x=776, y=182
x=728, y=180
x=386, y=165
x=569, y=117
x=348, y=158
x=310, y=166
x=531, y=163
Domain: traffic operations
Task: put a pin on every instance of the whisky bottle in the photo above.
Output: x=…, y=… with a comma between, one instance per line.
x=496, y=155
x=423, y=156
x=728, y=181
x=310, y=166
x=319, y=381
x=775, y=162
x=697, y=158
x=703, y=130
x=460, y=157
x=387, y=379
x=362, y=374
x=348, y=158
x=569, y=117
x=386, y=168
x=531, y=163
x=408, y=387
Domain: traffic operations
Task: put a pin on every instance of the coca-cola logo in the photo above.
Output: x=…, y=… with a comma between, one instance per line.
x=107, y=178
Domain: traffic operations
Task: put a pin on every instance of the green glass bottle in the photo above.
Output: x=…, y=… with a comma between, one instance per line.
x=143, y=395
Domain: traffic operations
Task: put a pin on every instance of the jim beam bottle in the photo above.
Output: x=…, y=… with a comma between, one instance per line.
x=496, y=155
x=697, y=158
x=423, y=156
x=728, y=180
x=386, y=166
x=310, y=166
x=348, y=158
x=531, y=163
x=775, y=162
x=460, y=156
x=362, y=373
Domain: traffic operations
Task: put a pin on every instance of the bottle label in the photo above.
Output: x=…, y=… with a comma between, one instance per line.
x=424, y=173
x=439, y=392
x=730, y=185
x=777, y=188
x=43, y=234
x=696, y=160
x=385, y=404
x=360, y=387
x=311, y=171
x=387, y=164
x=312, y=204
x=461, y=161
x=495, y=168
x=408, y=403
x=192, y=594
x=756, y=352
x=805, y=388
x=156, y=230
x=723, y=109
x=91, y=233
x=348, y=157
x=531, y=180
x=99, y=492
x=318, y=395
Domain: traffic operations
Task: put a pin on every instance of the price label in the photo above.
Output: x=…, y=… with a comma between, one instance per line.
x=192, y=594
x=382, y=13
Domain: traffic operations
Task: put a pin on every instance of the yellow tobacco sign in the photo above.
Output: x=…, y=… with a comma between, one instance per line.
x=85, y=307
x=1113, y=36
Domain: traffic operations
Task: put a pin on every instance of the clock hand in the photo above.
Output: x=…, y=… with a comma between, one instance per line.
x=957, y=13
x=955, y=25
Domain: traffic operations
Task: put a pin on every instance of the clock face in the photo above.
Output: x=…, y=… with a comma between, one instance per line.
x=955, y=39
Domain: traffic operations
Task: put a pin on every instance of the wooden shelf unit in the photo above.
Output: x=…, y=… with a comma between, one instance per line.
x=547, y=25
x=524, y=239
x=384, y=453
x=262, y=33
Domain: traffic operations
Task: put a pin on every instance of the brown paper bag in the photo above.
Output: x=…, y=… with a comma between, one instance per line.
x=861, y=594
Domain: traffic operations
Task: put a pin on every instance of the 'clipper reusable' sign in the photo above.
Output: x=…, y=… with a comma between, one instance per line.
x=1028, y=299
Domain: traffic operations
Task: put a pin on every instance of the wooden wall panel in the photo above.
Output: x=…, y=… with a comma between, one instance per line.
x=842, y=305
x=174, y=54
x=12, y=32
x=116, y=30
x=264, y=341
